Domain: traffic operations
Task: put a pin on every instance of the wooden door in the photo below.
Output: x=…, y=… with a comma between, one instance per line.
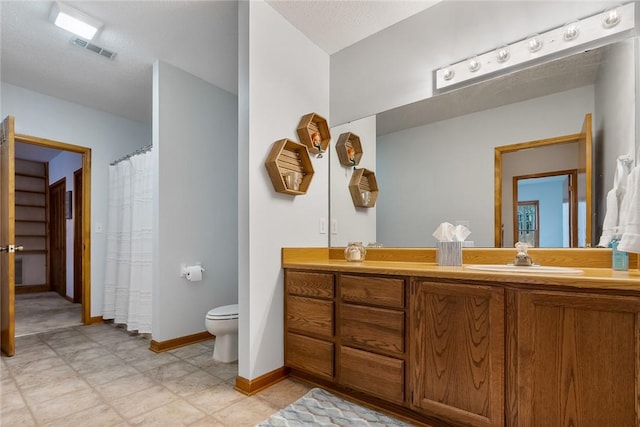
x=7, y=235
x=457, y=352
x=586, y=176
x=77, y=236
x=574, y=360
x=58, y=238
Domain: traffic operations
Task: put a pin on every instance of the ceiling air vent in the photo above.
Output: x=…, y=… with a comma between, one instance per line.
x=93, y=48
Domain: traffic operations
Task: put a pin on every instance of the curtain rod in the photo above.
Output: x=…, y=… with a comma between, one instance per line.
x=138, y=151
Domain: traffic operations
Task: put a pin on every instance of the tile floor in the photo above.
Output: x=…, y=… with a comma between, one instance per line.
x=101, y=375
x=44, y=311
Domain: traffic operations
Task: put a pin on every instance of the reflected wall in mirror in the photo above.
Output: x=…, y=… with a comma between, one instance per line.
x=349, y=223
x=435, y=158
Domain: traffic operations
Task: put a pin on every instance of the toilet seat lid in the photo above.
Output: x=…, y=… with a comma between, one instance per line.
x=223, y=312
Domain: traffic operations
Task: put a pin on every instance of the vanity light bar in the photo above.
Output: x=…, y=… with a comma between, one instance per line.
x=571, y=35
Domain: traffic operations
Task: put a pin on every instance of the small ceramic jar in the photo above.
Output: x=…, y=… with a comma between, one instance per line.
x=355, y=252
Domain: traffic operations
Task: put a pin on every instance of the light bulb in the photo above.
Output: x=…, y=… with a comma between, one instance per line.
x=534, y=43
x=571, y=31
x=611, y=17
x=474, y=64
x=448, y=74
x=503, y=54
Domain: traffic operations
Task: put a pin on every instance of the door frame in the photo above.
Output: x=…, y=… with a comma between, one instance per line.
x=86, y=211
x=77, y=236
x=585, y=166
x=572, y=189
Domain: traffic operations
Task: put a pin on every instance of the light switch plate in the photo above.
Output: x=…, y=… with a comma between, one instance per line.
x=323, y=225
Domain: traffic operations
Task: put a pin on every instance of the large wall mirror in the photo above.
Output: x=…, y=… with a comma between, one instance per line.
x=435, y=159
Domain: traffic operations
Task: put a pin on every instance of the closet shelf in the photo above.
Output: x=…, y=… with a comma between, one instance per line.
x=287, y=158
x=33, y=251
x=363, y=188
x=29, y=191
x=24, y=205
x=30, y=175
x=313, y=132
x=349, y=149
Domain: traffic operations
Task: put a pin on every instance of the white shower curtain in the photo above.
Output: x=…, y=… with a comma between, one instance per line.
x=128, y=272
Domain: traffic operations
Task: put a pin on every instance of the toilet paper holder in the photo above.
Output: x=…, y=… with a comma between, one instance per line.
x=184, y=268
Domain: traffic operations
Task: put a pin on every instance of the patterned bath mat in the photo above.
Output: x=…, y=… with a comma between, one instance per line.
x=319, y=408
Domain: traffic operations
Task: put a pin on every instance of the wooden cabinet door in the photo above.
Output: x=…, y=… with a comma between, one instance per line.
x=456, y=358
x=574, y=360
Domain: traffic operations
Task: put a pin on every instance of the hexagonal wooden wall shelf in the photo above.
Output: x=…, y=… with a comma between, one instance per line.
x=349, y=149
x=363, y=188
x=287, y=158
x=313, y=131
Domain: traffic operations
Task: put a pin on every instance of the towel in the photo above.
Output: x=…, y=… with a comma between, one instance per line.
x=614, y=199
x=630, y=214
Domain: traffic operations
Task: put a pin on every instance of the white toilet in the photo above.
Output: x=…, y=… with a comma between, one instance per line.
x=223, y=323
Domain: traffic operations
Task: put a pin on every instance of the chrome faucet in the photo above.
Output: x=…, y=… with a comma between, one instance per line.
x=522, y=257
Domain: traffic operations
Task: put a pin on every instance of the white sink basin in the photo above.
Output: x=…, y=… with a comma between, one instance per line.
x=534, y=269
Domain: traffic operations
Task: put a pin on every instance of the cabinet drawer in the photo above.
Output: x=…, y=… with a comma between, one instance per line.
x=309, y=354
x=319, y=285
x=377, y=375
x=382, y=291
x=310, y=316
x=379, y=329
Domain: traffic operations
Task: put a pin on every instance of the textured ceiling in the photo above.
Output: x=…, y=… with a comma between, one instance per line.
x=200, y=37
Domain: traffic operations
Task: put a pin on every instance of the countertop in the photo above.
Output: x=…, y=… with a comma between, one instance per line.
x=602, y=279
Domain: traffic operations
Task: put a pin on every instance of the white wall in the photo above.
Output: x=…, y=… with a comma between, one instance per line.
x=109, y=137
x=636, y=49
x=550, y=195
x=395, y=67
x=63, y=166
x=446, y=169
x=352, y=224
x=615, y=118
x=195, y=150
x=283, y=76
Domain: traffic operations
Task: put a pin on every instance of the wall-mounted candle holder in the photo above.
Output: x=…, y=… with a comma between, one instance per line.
x=363, y=188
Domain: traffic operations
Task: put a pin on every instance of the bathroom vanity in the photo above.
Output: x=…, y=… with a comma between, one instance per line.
x=448, y=346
